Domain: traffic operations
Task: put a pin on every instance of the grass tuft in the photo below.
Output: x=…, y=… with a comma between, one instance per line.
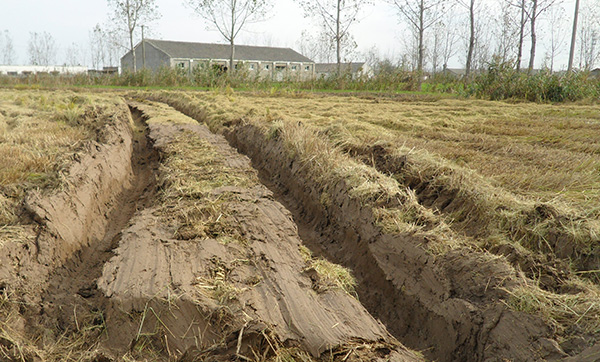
x=330, y=274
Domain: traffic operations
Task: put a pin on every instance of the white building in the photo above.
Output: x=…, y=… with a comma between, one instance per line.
x=37, y=69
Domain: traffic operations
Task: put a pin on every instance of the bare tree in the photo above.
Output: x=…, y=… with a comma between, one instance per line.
x=557, y=33
x=439, y=33
x=507, y=31
x=316, y=47
x=538, y=7
x=105, y=47
x=129, y=15
x=521, y=5
x=73, y=55
x=483, y=48
x=6, y=48
x=421, y=15
x=320, y=47
x=229, y=17
x=589, y=37
x=97, y=47
x=470, y=6
x=445, y=37
x=41, y=49
x=337, y=16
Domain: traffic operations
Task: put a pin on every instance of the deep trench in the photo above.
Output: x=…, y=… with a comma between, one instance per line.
x=72, y=298
x=447, y=315
x=329, y=233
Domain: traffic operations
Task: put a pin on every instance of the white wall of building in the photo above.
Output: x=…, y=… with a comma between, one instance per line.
x=34, y=69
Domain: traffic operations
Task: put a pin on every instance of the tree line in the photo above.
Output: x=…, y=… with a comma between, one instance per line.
x=472, y=31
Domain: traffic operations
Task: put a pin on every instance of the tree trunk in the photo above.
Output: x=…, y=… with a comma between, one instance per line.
x=231, y=57
x=573, y=37
x=471, y=40
x=421, y=30
x=533, y=36
x=232, y=38
x=521, y=36
x=338, y=39
x=133, y=51
x=131, y=28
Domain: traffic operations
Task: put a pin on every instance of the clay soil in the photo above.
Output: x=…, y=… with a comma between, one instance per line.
x=181, y=232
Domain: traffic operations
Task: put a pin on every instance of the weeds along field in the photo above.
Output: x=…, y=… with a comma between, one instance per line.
x=221, y=226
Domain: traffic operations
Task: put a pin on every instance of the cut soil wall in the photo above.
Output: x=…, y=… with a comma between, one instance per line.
x=550, y=259
x=448, y=306
x=167, y=283
x=74, y=216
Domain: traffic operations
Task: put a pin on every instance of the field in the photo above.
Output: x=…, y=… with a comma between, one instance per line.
x=192, y=226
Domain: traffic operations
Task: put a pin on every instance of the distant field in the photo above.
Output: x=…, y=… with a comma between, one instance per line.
x=546, y=152
x=524, y=174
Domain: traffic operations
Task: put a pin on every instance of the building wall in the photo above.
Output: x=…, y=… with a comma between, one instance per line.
x=37, y=69
x=154, y=58
x=278, y=71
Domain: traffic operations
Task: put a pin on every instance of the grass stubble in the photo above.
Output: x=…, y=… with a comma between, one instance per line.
x=41, y=133
x=510, y=165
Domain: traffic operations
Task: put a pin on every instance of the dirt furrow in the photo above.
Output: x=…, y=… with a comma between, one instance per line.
x=549, y=262
x=72, y=298
x=449, y=306
x=217, y=271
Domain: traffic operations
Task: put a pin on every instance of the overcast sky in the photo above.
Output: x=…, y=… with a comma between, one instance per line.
x=70, y=21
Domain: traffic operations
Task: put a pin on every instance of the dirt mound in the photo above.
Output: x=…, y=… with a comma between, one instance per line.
x=165, y=245
x=219, y=292
x=548, y=232
x=52, y=274
x=452, y=305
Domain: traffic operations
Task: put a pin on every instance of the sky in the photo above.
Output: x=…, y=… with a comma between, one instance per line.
x=70, y=21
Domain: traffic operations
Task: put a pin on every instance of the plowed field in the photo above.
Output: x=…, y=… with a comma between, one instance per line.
x=158, y=226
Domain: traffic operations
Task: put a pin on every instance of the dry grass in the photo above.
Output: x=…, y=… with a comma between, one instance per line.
x=330, y=274
x=521, y=172
x=191, y=170
x=39, y=131
x=218, y=285
x=532, y=150
x=488, y=154
x=76, y=345
x=569, y=314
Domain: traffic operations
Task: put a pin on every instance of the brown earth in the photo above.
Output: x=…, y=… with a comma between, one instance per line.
x=109, y=271
x=107, y=274
x=452, y=307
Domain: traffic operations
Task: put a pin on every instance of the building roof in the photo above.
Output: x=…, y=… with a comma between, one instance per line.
x=332, y=67
x=186, y=50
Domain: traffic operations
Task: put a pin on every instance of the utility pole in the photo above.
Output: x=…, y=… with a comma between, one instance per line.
x=573, y=37
x=143, y=49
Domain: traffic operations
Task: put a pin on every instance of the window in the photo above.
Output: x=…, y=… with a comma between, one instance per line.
x=294, y=67
x=181, y=65
x=267, y=67
x=251, y=66
x=307, y=68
